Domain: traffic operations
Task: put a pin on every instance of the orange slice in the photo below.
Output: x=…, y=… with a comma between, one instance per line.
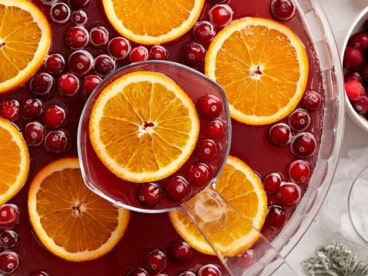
x=262, y=66
x=155, y=21
x=71, y=221
x=143, y=127
x=25, y=38
x=14, y=160
x=241, y=186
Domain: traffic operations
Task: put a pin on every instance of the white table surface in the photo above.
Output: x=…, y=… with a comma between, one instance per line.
x=332, y=222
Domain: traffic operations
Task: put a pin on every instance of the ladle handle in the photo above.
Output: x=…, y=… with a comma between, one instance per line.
x=213, y=215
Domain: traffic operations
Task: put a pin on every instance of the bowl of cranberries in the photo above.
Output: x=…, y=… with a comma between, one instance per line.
x=355, y=63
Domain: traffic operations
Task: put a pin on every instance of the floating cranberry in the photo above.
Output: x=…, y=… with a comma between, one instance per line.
x=353, y=58
x=299, y=171
x=34, y=133
x=79, y=17
x=10, y=109
x=215, y=129
x=311, y=100
x=99, y=36
x=89, y=83
x=119, y=47
x=9, y=215
x=359, y=40
x=149, y=194
x=193, y=53
x=206, y=150
x=57, y=141
x=354, y=90
x=177, y=188
x=77, y=37
x=8, y=238
x=41, y=84
x=279, y=134
x=282, y=9
x=9, y=262
x=60, y=13
x=104, y=65
x=54, y=63
x=272, y=182
x=289, y=194
x=304, y=145
x=158, y=52
x=187, y=273
x=39, y=272
x=68, y=84
x=199, y=174
x=180, y=252
x=209, y=106
x=276, y=217
x=137, y=271
x=352, y=75
x=31, y=108
x=78, y=3
x=209, y=270
x=203, y=32
x=80, y=62
x=361, y=105
x=54, y=116
x=221, y=15
x=139, y=53
x=299, y=119
x=154, y=261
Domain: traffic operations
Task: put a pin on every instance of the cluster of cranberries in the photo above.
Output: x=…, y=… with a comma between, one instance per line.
x=355, y=62
x=155, y=260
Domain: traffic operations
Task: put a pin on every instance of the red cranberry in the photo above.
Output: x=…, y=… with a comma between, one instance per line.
x=158, y=52
x=54, y=63
x=138, y=53
x=8, y=238
x=99, y=36
x=361, y=105
x=203, y=32
x=10, y=109
x=353, y=58
x=271, y=199
x=215, y=129
x=39, y=272
x=104, y=65
x=282, y=9
x=299, y=120
x=68, y=84
x=57, y=141
x=199, y=174
x=77, y=37
x=149, y=194
x=304, y=145
x=78, y=3
x=299, y=171
x=177, y=188
x=272, y=182
x=359, y=40
x=9, y=215
x=276, y=217
x=34, y=133
x=353, y=75
x=80, y=62
x=60, y=13
x=289, y=194
x=187, y=273
x=119, y=47
x=137, y=271
x=311, y=100
x=209, y=106
x=209, y=270
x=31, y=108
x=79, y=17
x=193, y=54
x=221, y=15
x=279, y=135
x=89, y=83
x=180, y=252
x=154, y=261
x=54, y=116
x=9, y=262
x=354, y=90
x=206, y=150
x=41, y=84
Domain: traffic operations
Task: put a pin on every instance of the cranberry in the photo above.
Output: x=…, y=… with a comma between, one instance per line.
x=68, y=84
x=9, y=262
x=209, y=106
x=272, y=199
x=89, y=83
x=8, y=238
x=60, y=13
x=288, y=194
x=359, y=40
x=34, y=133
x=187, y=273
x=54, y=116
x=139, y=53
x=10, y=109
x=209, y=270
x=352, y=75
x=282, y=9
x=77, y=37
x=311, y=100
x=215, y=129
x=276, y=217
x=304, y=145
x=78, y=3
x=353, y=58
x=354, y=90
x=279, y=134
x=54, y=63
x=137, y=271
x=177, y=188
x=199, y=174
x=158, y=52
x=361, y=105
x=119, y=47
x=299, y=120
x=203, y=32
x=41, y=83
x=149, y=194
x=80, y=62
x=299, y=171
x=57, y=141
x=154, y=261
x=99, y=36
x=79, y=17
x=180, y=252
x=104, y=65
x=221, y=15
x=206, y=150
x=272, y=182
x=31, y=108
x=39, y=272
x=193, y=53
x=9, y=215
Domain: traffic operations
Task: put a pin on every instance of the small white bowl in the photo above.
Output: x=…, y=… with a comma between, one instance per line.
x=356, y=27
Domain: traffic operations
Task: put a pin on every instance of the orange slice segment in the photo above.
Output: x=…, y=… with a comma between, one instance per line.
x=262, y=66
x=71, y=221
x=14, y=160
x=143, y=127
x=155, y=21
x=25, y=38
x=241, y=186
